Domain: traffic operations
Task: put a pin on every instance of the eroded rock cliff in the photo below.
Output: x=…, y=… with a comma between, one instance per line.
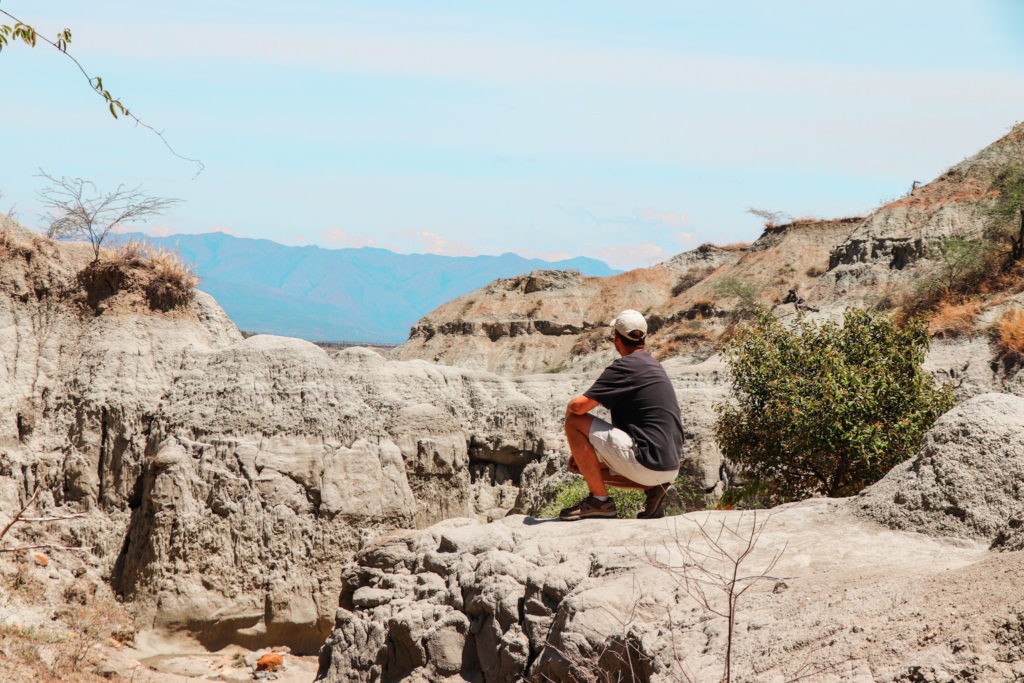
x=227, y=479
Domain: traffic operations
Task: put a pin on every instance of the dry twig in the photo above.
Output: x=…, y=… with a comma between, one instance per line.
x=18, y=517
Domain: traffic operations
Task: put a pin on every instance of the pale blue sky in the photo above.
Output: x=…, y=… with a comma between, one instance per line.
x=627, y=131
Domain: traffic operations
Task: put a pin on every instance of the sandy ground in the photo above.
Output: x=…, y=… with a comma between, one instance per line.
x=174, y=657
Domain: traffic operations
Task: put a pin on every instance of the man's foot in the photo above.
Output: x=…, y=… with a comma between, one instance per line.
x=590, y=508
x=657, y=497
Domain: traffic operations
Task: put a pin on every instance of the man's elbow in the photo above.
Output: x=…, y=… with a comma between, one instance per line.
x=579, y=405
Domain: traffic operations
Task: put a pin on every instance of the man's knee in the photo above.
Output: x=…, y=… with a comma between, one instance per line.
x=578, y=423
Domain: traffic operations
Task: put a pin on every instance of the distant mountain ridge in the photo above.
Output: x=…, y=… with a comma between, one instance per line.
x=355, y=295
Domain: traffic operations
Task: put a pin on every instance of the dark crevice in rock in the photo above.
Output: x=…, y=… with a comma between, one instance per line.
x=101, y=472
x=899, y=251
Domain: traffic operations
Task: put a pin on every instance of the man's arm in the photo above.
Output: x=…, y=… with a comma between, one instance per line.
x=581, y=405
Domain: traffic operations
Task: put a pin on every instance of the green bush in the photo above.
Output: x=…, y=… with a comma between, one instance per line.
x=825, y=409
x=743, y=291
x=1007, y=210
x=960, y=266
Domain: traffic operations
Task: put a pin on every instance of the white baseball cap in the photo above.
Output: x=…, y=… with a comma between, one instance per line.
x=630, y=324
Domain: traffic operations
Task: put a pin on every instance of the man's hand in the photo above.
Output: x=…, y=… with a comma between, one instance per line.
x=581, y=405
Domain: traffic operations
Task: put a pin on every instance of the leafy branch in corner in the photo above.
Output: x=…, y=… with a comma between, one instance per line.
x=25, y=33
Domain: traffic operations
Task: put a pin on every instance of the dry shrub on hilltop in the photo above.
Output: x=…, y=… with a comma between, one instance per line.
x=1010, y=333
x=161, y=276
x=954, y=320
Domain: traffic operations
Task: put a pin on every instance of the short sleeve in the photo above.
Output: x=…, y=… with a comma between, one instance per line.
x=611, y=387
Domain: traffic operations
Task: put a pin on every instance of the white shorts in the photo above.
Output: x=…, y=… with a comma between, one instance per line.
x=616, y=450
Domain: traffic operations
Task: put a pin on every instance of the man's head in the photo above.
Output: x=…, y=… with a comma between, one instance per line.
x=630, y=329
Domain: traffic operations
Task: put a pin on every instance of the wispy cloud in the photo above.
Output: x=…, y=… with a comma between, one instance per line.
x=151, y=230
x=336, y=237
x=433, y=243
x=627, y=256
x=436, y=53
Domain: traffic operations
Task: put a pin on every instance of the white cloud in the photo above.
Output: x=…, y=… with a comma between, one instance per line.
x=545, y=255
x=434, y=243
x=686, y=238
x=362, y=48
x=338, y=238
x=629, y=256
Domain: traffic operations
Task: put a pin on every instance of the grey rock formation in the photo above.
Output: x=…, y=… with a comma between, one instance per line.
x=227, y=479
x=967, y=478
x=847, y=599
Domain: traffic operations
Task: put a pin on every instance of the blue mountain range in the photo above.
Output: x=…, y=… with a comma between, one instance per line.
x=350, y=295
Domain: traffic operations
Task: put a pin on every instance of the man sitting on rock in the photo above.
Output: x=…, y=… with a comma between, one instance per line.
x=641, y=448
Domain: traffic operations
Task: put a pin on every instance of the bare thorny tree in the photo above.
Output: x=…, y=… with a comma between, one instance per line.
x=712, y=569
x=712, y=566
x=79, y=210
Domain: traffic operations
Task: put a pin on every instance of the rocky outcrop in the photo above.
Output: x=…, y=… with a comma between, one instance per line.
x=967, y=478
x=892, y=248
x=830, y=594
x=546, y=321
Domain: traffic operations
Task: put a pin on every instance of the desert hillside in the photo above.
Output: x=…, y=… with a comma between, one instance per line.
x=548, y=322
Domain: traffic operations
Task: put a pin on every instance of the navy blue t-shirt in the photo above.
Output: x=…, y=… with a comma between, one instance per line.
x=640, y=397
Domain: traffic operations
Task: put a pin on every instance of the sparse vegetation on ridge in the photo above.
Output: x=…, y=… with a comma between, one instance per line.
x=628, y=502
x=1006, y=211
x=161, y=277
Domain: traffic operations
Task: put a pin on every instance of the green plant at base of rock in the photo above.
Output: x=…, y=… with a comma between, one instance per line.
x=826, y=409
x=628, y=502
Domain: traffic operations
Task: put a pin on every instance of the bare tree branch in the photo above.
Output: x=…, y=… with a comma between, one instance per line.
x=79, y=210
x=20, y=513
x=46, y=546
x=53, y=518
x=717, y=591
x=19, y=517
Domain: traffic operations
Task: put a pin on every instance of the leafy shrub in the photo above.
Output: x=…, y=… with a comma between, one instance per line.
x=961, y=267
x=743, y=291
x=825, y=409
